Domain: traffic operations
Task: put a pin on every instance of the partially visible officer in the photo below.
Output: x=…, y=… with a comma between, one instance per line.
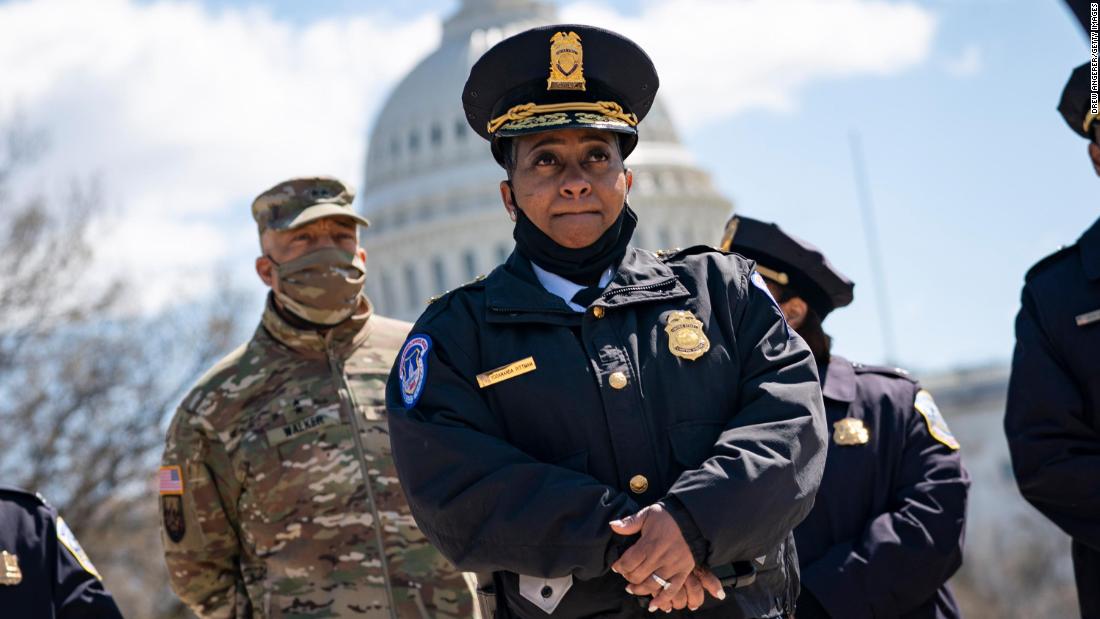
x=886, y=531
x=593, y=423
x=1052, y=419
x=264, y=506
x=44, y=573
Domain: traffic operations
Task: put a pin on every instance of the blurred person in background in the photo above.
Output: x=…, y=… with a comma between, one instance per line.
x=44, y=573
x=1052, y=418
x=278, y=494
x=886, y=529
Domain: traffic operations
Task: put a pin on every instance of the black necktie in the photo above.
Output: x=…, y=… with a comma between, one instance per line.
x=585, y=296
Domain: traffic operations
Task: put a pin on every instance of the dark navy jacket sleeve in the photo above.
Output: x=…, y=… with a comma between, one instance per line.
x=1055, y=452
x=905, y=554
x=78, y=593
x=485, y=504
x=766, y=465
x=52, y=582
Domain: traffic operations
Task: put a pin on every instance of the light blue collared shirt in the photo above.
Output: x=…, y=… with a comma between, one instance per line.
x=560, y=287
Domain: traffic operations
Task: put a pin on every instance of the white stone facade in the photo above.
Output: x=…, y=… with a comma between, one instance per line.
x=431, y=189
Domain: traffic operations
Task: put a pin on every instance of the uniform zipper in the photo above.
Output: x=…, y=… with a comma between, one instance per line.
x=624, y=289
x=610, y=293
x=347, y=405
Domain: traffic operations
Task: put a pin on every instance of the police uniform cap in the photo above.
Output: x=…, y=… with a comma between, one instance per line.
x=562, y=76
x=1075, y=106
x=298, y=201
x=789, y=261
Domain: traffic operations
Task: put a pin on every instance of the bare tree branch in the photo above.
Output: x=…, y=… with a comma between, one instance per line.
x=86, y=387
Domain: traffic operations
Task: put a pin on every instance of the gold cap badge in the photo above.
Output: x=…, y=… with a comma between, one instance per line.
x=10, y=574
x=850, y=431
x=566, y=62
x=685, y=336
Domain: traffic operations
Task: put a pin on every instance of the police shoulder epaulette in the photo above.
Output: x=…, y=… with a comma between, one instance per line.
x=862, y=368
x=677, y=252
x=1039, y=266
x=439, y=296
x=21, y=493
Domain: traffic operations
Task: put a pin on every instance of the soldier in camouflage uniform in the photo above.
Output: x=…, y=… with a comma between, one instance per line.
x=264, y=509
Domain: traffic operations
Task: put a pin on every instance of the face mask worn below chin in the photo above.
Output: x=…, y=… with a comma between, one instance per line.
x=322, y=287
x=584, y=265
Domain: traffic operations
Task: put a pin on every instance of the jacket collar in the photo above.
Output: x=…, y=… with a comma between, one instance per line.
x=1089, y=244
x=640, y=277
x=340, y=339
x=839, y=380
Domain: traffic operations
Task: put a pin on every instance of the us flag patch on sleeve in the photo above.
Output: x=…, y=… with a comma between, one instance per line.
x=170, y=480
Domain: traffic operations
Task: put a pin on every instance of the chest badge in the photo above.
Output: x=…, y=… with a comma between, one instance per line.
x=850, y=431
x=686, y=339
x=10, y=574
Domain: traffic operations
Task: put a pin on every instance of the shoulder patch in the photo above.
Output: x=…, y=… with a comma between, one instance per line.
x=170, y=480
x=758, y=281
x=27, y=494
x=175, y=523
x=412, y=368
x=1042, y=264
x=937, y=425
x=68, y=540
x=862, y=368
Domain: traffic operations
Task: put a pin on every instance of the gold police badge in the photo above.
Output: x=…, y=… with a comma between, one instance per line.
x=566, y=62
x=685, y=336
x=850, y=431
x=10, y=574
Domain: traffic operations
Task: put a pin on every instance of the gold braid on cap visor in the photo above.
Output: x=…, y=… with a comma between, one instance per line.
x=1089, y=119
x=527, y=110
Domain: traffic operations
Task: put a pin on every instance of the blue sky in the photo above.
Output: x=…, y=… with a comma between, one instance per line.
x=973, y=173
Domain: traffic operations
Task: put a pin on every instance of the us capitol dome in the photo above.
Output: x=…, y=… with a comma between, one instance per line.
x=431, y=187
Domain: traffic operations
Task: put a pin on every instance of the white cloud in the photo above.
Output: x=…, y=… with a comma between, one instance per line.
x=968, y=62
x=186, y=114
x=718, y=57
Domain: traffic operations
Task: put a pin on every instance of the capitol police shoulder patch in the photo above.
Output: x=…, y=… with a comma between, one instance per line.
x=68, y=540
x=937, y=425
x=412, y=369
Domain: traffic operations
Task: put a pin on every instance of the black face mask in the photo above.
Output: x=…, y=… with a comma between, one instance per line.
x=584, y=265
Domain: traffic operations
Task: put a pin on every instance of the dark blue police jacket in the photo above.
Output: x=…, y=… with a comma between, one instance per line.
x=520, y=428
x=44, y=572
x=1052, y=419
x=886, y=530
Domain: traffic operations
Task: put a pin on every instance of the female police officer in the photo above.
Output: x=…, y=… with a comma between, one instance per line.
x=886, y=531
x=586, y=381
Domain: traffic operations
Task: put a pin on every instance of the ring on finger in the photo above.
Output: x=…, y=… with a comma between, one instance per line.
x=661, y=581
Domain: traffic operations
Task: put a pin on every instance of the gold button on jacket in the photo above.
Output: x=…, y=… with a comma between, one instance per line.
x=639, y=484
x=617, y=380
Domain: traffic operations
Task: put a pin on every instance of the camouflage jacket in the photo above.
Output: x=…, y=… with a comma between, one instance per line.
x=264, y=510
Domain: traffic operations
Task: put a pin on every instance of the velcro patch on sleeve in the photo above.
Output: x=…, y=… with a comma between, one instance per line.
x=170, y=480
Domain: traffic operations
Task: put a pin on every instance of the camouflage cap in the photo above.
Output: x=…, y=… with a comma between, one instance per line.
x=298, y=201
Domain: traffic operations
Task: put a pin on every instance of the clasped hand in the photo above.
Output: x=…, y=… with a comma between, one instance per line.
x=662, y=551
